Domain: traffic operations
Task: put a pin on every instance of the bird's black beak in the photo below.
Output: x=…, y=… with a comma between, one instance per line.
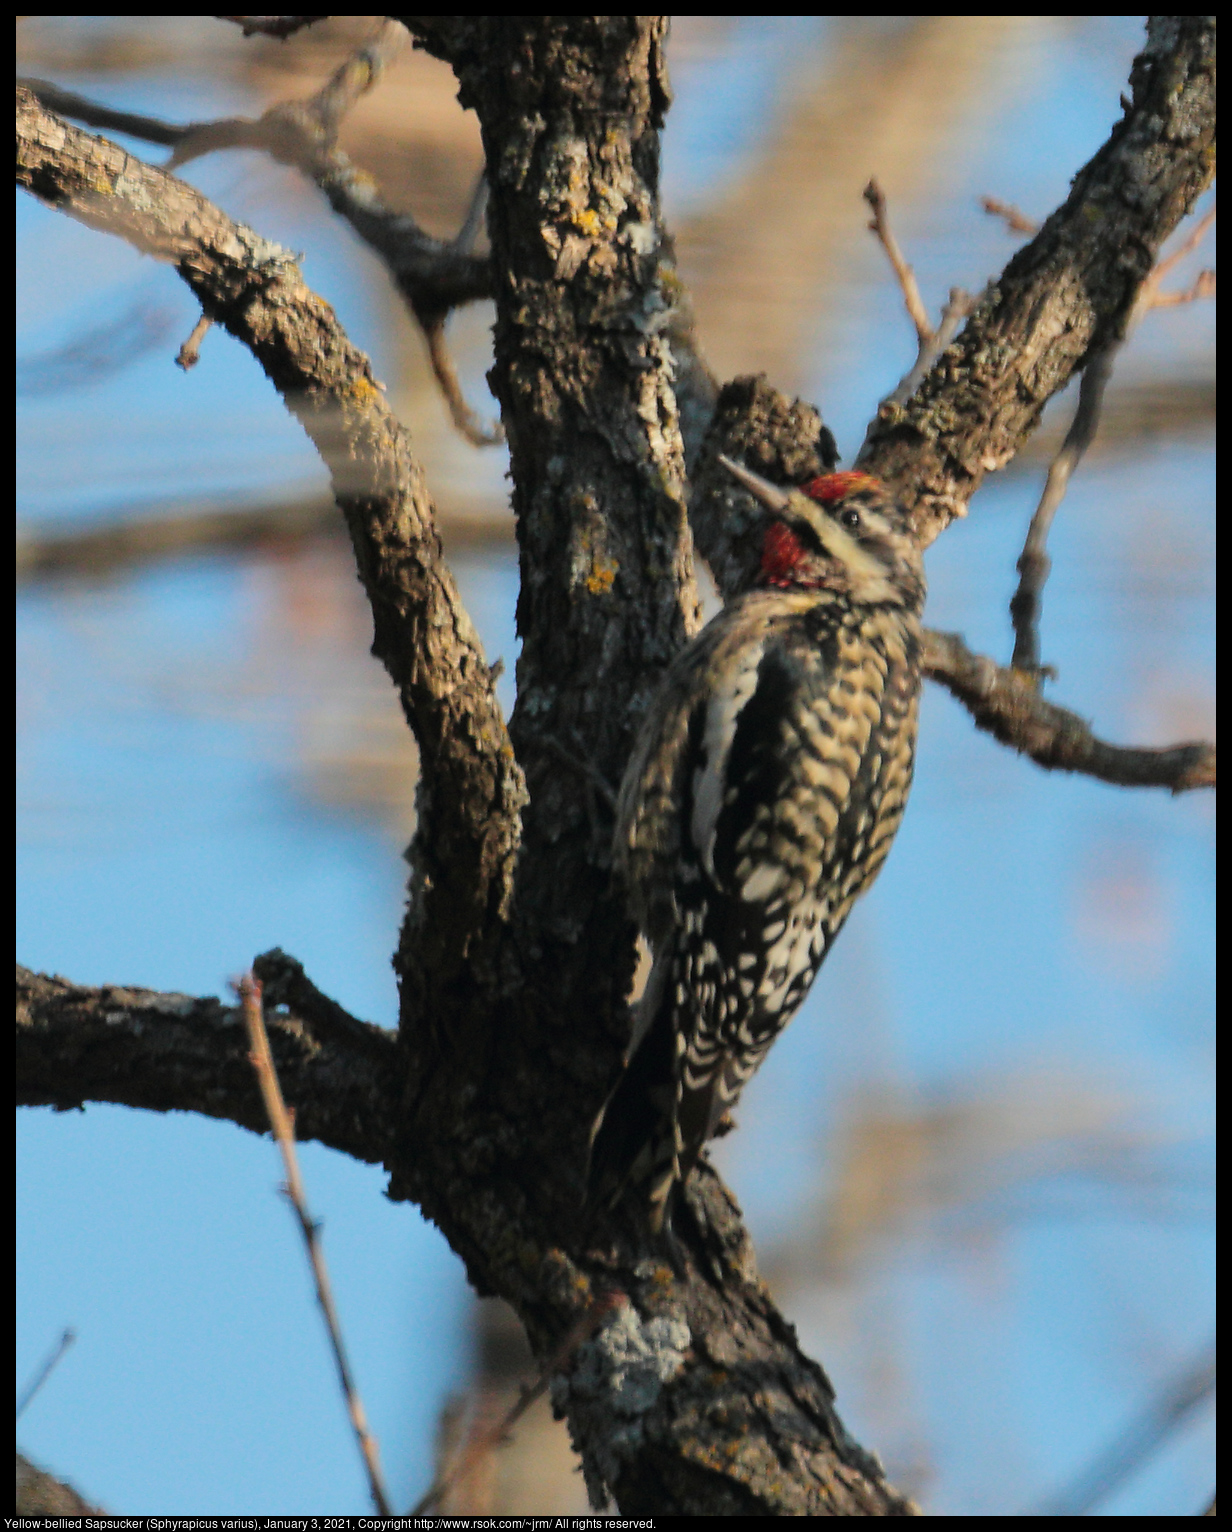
x=771, y=495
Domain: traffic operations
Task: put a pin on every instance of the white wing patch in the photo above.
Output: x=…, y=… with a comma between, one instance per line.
x=722, y=712
x=765, y=879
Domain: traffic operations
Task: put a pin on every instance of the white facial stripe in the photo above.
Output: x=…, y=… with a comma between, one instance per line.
x=722, y=712
x=868, y=572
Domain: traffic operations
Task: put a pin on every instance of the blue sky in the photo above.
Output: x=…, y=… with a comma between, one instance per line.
x=1041, y=942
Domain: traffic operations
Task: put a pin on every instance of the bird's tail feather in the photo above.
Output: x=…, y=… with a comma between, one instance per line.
x=632, y=1139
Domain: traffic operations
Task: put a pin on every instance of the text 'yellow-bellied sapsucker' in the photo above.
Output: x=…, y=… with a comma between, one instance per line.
x=760, y=801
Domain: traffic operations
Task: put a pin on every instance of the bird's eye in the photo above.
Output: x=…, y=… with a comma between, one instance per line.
x=850, y=517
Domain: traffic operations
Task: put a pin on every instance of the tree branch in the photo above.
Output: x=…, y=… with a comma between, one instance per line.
x=1070, y=289
x=175, y=1053
x=42, y=1494
x=880, y=226
x=786, y=440
x=689, y=1395
x=506, y=1066
x=1034, y=564
x=434, y=276
x=1005, y=702
x=282, y=1125
x=471, y=790
x=692, y=1395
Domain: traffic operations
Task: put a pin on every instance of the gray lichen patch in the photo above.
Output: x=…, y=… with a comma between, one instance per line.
x=620, y=1372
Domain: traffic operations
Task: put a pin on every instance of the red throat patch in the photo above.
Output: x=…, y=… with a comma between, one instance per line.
x=834, y=486
x=781, y=551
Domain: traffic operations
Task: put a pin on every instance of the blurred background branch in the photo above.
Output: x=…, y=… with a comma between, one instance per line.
x=169, y=701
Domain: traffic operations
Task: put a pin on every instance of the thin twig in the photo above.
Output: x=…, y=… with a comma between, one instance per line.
x=190, y=352
x=281, y=27
x=356, y=75
x=1005, y=703
x=434, y=276
x=173, y=531
x=1202, y=286
x=433, y=315
x=301, y=133
x=464, y=240
x=930, y=343
x=959, y=304
x=589, y=774
x=1175, y=1402
x=880, y=226
x=1017, y=222
x=1033, y=563
x=464, y=418
x=45, y=1371
x=153, y=129
x=249, y=990
x=478, y=1443
x=1150, y=296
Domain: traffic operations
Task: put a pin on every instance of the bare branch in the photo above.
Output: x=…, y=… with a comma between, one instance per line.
x=1202, y=286
x=69, y=104
x=1071, y=287
x=1164, y=268
x=880, y=226
x=1176, y=1401
x=930, y=343
x=959, y=304
x=1033, y=563
x=189, y=353
x=262, y=1061
x=165, y=1053
x=1006, y=704
x=281, y=27
x=464, y=418
x=434, y=276
x=45, y=1371
x=300, y=133
x=171, y=533
x=1015, y=221
x=467, y=843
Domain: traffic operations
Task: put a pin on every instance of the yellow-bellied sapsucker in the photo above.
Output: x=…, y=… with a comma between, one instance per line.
x=760, y=801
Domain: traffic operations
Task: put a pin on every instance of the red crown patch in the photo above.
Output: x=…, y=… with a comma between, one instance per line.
x=834, y=486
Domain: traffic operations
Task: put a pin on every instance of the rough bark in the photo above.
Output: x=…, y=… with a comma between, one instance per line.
x=696, y=1394
x=176, y=1053
x=1005, y=703
x=42, y=1494
x=786, y=440
x=471, y=790
x=692, y=1396
x=1073, y=285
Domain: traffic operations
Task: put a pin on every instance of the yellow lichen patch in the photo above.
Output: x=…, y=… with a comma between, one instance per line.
x=364, y=391
x=589, y=222
x=602, y=576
